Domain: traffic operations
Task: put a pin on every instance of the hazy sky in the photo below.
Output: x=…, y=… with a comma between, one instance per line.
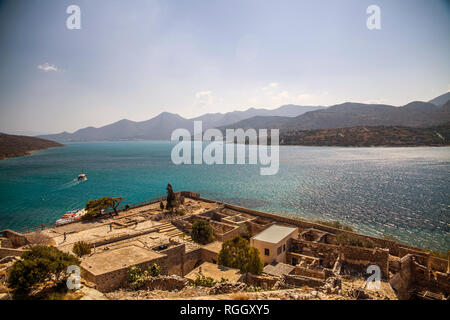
x=134, y=59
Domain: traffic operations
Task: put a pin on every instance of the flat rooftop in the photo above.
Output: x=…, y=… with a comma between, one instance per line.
x=114, y=259
x=278, y=269
x=274, y=234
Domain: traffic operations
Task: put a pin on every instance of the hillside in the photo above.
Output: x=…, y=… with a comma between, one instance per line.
x=285, y=118
x=162, y=126
x=414, y=114
x=441, y=100
x=366, y=136
x=15, y=146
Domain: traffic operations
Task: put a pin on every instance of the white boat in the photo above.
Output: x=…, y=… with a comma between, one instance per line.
x=82, y=177
x=71, y=216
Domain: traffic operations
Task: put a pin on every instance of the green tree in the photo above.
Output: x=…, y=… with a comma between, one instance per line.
x=39, y=265
x=202, y=232
x=352, y=240
x=94, y=207
x=237, y=253
x=81, y=248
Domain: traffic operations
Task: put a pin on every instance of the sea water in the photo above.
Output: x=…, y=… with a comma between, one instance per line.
x=404, y=192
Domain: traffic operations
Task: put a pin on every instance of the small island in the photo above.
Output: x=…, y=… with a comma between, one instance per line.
x=16, y=146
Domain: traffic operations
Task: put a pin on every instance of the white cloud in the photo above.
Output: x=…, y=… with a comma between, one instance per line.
x=271, y=85
x=203, y=98
x=304, y=96
x=46, y=67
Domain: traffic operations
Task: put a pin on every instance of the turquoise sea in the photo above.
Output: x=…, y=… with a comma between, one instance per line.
x=401, y=191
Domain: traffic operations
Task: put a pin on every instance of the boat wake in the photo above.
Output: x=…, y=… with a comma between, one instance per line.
x=71, y=184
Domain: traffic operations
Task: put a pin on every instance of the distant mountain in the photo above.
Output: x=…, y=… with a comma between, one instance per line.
x=367, y=136
x=15, y=146
x=441, y=100
x=214, y=120
x=288, y=117
x=414, y=114
x=161, y=127
x=157, y=128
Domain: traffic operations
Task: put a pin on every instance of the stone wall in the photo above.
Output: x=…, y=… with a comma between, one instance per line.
x=191, y=260
x=175, y=259
x=113, y=280
x=384, y=243
x=264, y=282
x=307, y=272
x=439, y=264
x=420, y=256
x=300, y=281
x=327, y=253
x=208, y=256
x=426, y=279
x=365, y=257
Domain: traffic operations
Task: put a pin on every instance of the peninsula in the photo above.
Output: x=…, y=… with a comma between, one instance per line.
x=16, y=146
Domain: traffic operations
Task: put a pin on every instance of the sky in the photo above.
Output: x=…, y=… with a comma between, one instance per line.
x=135, y=59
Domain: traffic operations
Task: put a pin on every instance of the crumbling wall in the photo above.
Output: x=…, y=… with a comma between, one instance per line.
x=420, y=256
x=434, y=281
x=438, y=264
x=296, y=281
x=308, y=272
x=263, y=282
x=365, y=257
x=327, y=253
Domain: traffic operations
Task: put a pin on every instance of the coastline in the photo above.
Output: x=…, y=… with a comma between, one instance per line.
x=26, y=153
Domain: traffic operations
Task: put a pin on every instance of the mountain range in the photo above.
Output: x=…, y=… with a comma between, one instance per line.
x=161, y=126
x=286, y=118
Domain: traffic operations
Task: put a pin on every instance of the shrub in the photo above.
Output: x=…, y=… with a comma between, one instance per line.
x=351, y=240
x=236, y=253
x=254, y=289
x=203, y=281
x=81, y=248
x=202, y=232
x=334, y=224
x=154, y=270
x=137, y=277
x=39, y=265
